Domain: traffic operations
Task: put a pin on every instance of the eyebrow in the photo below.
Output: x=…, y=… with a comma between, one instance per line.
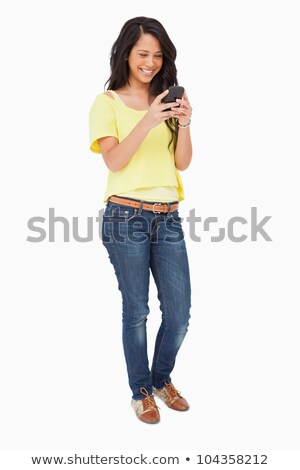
x=144, y=50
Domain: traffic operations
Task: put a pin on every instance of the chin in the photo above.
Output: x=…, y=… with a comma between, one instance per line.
x=144, y=79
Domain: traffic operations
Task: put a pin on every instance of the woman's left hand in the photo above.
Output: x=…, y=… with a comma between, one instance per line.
x=184, y=112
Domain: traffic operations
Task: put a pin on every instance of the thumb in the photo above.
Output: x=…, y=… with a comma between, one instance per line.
x=161, y=96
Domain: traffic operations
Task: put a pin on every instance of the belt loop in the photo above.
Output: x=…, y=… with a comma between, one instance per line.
x=169, y=209
x=141, y=207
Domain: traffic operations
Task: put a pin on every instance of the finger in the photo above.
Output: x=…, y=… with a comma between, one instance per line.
x=185, y=99
x=186, y=106
x=168, y=105
x=166, y=118
x=166, y=115
x=181, y=102
x=179, y=116
x=161, y=96
x=179, y=109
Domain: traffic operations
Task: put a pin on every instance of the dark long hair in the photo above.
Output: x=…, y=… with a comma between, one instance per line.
x=167, y=76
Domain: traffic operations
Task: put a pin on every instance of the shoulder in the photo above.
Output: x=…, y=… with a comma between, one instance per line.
x=104, y=97
x=103, y=102
x=109, y=93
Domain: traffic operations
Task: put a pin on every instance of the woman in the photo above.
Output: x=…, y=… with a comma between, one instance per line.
x=144, y=142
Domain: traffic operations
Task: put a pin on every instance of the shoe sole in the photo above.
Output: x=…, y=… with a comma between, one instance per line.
x=149, y=422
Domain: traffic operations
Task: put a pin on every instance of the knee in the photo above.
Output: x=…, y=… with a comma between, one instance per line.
x=180, y=321
x=185, y=320
x=135, y=318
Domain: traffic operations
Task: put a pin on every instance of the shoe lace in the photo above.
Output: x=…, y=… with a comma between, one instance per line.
x=172, y=391
x=149, y=399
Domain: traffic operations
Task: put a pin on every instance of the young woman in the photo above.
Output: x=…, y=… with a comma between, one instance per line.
x=144, y=142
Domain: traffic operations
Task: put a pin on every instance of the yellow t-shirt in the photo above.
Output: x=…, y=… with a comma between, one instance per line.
x=153, y=194
x=151, y=167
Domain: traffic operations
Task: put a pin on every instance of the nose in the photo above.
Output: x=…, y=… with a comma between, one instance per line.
x=149, y=62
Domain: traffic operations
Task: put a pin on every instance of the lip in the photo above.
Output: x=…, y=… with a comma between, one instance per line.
x=146, y=72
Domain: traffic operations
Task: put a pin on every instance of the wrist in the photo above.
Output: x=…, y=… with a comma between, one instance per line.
x=185, y=123
x=144, y=125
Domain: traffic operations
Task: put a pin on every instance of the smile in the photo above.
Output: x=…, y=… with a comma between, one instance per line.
x=147, y=72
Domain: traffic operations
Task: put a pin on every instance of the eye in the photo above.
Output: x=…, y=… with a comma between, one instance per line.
x=156, y=57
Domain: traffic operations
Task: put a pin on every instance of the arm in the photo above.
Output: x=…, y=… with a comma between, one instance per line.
x=116, y=155
x=184, y=150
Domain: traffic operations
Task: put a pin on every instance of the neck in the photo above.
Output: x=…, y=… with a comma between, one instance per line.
x=138, y=88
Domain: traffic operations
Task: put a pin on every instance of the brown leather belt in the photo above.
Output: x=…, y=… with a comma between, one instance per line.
x=155, y=207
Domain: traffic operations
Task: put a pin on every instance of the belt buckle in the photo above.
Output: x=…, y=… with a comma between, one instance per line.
x=157, y=204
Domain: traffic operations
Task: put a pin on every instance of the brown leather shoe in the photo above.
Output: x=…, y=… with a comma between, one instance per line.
x=172, y=397
x=146, y=409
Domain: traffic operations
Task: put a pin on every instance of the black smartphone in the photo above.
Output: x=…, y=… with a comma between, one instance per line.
x=174, y=93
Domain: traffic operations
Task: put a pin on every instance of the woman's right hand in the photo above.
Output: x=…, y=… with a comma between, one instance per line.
x=156, y=113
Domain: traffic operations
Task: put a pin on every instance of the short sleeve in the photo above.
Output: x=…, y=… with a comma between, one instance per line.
x=102, y=121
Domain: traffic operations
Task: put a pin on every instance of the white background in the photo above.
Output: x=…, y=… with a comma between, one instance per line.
x=64, y=383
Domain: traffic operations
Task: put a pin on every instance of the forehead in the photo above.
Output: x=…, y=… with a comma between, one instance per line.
x=147, y=42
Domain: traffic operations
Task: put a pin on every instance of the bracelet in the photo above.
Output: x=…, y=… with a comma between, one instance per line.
x=186, y=125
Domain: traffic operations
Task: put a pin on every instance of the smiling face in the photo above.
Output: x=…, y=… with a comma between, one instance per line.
x=145, y=59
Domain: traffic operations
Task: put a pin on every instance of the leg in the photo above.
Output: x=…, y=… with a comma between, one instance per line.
x=131, y=261
x=170, y=269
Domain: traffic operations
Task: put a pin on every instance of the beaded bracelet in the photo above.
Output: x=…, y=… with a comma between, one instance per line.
x=186, y=125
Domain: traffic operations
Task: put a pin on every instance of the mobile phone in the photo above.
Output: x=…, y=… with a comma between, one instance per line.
x=174, y=93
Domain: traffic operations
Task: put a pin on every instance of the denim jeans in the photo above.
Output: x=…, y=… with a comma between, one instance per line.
x=137, y=241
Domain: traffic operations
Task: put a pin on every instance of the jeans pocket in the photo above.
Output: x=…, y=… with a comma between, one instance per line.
x=114, y=213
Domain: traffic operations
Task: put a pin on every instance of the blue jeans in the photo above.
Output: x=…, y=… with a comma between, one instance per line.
x=138, y=240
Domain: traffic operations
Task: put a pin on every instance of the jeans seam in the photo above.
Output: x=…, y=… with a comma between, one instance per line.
x=119, y=269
